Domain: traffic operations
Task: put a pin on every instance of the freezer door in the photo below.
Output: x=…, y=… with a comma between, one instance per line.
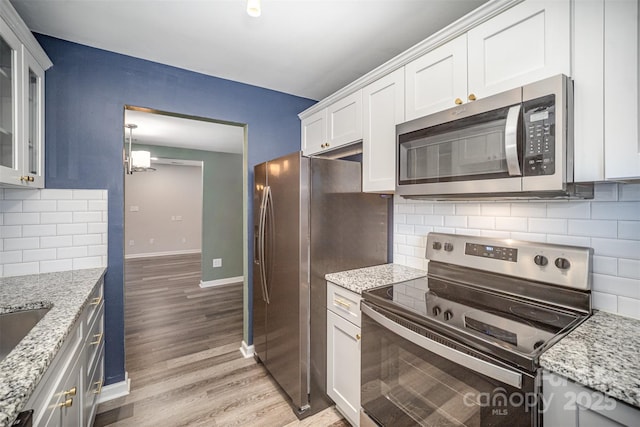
x=287, y=254
x=259, y=301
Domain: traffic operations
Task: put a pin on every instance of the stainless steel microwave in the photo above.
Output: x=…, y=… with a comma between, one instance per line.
x=517, y=144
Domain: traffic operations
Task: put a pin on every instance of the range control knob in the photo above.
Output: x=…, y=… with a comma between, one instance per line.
x=437, y=246
x=436, y=311
x=448, y=247
x=448, y=315
x=562, y=263
x=540, y=260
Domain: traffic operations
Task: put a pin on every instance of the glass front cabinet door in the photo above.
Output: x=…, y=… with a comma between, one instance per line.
x=22, y=65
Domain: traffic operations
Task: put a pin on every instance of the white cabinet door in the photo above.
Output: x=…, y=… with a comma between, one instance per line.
x=435, y=80
x=343, y=366
x=526, y=43
x=622, y=146
x=383, y=105
x=314, y=132
x=344, y=120
x=32, y=120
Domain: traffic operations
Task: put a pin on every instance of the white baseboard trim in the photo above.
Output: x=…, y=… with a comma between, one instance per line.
x=113, y=391
x=247, y=350
x=220, y=282
x=168, y=253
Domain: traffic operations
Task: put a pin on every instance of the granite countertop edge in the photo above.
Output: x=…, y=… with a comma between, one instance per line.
x=362, y=279
x=66, y=293
x=603, y=353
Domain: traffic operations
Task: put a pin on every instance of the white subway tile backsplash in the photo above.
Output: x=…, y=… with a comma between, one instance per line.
x=629, y=268
x=620, y=211
x=593, y=228
x=415, y=219
x=604, y=301
x=629, y=307
x=11, y=218
x=67, y=229
x=55, y=266
x=56, y=242
x=605, y=265
x=616, y=248
x=56, y=194
x=39, y=206
x=38, y=255
x=610, y=224
x=87, y=194
x=21, y=243
x=578, y=210
x=511, y=223
x=56, y=217
x=52, y=230
x=21, y=269
x=399, y=219
x=72, y=205
x=629, y=230
x=38, y=230
x=530, y=210
x=495, y=209
x=548, y=225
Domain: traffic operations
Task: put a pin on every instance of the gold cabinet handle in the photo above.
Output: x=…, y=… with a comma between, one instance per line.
x=358, y=337
x=458, y=101
x=99, y=384
x=342, y=303
x=27, y=178
x=66, y=404
x=472, y=97
x=96, y=301
x=71, y=392
x=98, y=338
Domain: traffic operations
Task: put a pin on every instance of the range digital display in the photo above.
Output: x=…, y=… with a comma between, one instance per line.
x=495, y=252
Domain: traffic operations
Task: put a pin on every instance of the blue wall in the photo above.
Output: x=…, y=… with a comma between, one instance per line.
x=86, y=90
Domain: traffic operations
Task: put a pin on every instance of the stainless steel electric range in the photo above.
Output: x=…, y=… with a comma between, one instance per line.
x=461, y=346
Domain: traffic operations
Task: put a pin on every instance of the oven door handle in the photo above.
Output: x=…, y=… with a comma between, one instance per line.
x=511, y=141
x=498, y=373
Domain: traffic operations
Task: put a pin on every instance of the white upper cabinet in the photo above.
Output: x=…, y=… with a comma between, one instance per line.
x=22, y=65
x=621, y=94
x=526, y=43
x=437, y=79
x=383, y=106
x=338, y=124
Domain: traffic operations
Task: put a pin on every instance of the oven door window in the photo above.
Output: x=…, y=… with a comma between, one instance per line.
x=405, y=385
x=476, y=147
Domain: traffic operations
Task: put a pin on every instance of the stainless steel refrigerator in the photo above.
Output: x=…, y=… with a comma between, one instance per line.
x=310, y=218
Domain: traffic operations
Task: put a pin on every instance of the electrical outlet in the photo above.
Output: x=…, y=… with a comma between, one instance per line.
x=184, y=240
x=131, y=243
x=151, y=241
x=134, y=209
x=217, y=262
x=178, y=217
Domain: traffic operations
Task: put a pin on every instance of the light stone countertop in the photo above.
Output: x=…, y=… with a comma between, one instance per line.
x=67, y=293
x=361, y=279
x=603, y=353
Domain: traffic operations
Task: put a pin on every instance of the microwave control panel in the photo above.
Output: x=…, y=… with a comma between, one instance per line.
x=539, y=136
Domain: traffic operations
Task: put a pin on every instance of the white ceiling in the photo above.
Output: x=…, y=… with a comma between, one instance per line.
x=308, y=48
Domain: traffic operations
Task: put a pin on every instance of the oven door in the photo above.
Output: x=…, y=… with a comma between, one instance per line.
x=413, y=376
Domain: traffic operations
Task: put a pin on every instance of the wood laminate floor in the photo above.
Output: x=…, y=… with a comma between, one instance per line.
x=182, y=355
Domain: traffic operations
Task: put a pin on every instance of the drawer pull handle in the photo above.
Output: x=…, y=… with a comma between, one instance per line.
x=342, y=303
x=98, y=338
x=66, y=404
x=96, y=301
x=71, y=392
x=27, y=178
x=99, y=384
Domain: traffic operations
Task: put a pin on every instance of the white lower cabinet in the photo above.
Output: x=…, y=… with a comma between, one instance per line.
x=569, y=404
x=343, y=353
x=67, y=394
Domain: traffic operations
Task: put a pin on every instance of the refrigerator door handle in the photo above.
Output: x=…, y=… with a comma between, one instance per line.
x=261, y=238
x=267, y=240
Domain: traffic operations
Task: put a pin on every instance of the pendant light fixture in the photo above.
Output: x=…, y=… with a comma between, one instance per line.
x=139, y=160
x=253, y=8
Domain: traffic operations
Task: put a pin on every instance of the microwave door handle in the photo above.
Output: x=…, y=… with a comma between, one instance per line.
x=511, y=141
x=498, y=373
